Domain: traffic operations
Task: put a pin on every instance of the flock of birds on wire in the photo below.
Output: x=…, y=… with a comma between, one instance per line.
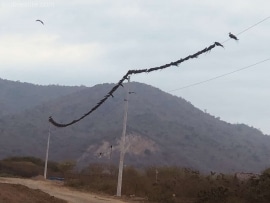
x=138, y=71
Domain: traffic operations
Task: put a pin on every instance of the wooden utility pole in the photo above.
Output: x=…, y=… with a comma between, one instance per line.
x=123, y=139
x=47, y=152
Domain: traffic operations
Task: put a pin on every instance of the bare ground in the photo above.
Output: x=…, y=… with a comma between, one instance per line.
x=13, y=190
x=11, y=193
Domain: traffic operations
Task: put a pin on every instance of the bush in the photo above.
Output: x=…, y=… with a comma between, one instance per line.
x=163, y=184
x=22, y=169
x=27, y=167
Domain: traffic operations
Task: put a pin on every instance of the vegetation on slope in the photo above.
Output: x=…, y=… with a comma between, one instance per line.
x=152, y=184
x=183, y=135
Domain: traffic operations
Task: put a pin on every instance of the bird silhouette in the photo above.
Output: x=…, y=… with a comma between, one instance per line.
x=233, y=36
x=100, y=155
x=40, y=21
x=218, y=44
x=213, y=173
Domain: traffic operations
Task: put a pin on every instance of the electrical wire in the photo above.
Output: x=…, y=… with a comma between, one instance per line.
x=223, y=75
x=247, y=29
x=220, y=76
x=253, y=25
x=130, y=72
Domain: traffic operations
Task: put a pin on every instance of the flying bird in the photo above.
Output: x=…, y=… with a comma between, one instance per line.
x=40, y=21
x=233, y=36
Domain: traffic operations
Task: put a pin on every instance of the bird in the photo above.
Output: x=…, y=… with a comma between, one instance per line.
x=40, y=21
x=233, y=36
x=213, y=173
x=218, y=44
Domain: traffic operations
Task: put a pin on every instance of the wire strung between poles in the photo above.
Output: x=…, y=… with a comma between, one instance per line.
x=131, y=72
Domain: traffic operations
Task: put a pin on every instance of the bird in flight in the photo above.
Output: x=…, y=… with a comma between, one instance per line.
x=233, y=36
x=40, y=21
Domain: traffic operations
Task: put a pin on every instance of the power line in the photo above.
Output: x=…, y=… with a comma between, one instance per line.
x=223, y=75
x=248, y=28
x=254, y=25
x=131, y=72
x=220, y=76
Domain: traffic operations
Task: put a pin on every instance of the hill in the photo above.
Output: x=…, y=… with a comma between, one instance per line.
x=17, y=96
x=162, y=130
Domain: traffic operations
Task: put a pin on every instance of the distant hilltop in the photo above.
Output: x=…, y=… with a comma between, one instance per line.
x=162, y=129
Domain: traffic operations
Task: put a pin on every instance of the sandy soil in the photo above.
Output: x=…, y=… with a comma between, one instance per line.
x=38, y=189
x=11, y=193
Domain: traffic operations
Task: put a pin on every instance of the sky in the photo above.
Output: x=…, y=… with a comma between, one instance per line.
x=89, y=42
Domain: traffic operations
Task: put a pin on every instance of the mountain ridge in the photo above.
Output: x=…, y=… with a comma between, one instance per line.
x=162, y=129
x=29, y=95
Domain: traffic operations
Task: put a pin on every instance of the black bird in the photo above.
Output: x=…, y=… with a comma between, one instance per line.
x=218, y=44
x=100, y=155
x=233, y=36
x=213, y=173
x=40, y=21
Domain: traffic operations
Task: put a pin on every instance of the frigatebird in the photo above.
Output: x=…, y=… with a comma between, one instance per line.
x=218, y=44
x=233, y=36
x=40, y=21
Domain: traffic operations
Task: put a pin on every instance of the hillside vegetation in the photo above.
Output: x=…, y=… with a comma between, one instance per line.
x=16, y=96
x=162, y=130
x=150, y=184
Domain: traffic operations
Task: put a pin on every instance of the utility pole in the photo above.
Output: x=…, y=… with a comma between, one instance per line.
x=123, y=139
x=47, y=153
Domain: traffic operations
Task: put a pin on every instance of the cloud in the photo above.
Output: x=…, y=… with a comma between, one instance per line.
x=37, y=49
x=97, y=41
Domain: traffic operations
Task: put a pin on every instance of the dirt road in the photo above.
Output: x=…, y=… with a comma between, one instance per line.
x=56, y=189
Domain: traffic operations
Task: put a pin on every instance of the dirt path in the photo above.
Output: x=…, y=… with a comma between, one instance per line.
x=56, y=189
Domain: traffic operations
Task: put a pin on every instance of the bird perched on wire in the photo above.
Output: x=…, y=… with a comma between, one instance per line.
x=233, y=36
x=40, y=21
x=218, y=44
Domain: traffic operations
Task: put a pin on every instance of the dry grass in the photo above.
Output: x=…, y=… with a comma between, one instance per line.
x=163, y=184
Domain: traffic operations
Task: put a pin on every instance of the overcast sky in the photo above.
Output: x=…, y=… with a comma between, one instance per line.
x=88, y=42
